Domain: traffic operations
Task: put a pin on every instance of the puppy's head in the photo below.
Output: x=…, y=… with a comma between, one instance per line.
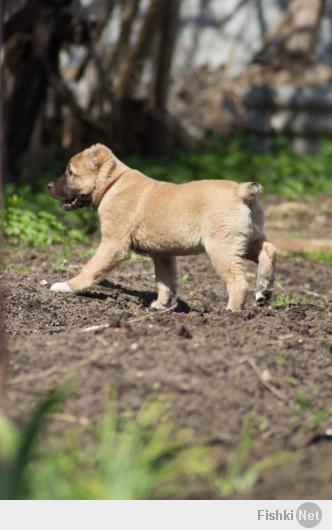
x=83, y=178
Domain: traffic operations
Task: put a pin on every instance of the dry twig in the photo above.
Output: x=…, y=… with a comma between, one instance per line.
x=94, y=328
x=70, y=418
x=267, y=385
x=153, y=314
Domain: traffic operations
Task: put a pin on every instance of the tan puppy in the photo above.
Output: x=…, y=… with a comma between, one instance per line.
x=165, y=220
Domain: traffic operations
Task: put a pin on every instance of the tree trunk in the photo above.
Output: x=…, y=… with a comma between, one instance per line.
x=29, y=92
x=33, y=40
x=120, y=46
x=170, y=18
x=3, y=351
x=2, y=138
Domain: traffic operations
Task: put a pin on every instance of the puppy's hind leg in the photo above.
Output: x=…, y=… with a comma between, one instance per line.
x=265, y=255
x=165, y=271
x=229, y=265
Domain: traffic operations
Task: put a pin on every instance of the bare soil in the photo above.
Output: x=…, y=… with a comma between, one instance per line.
x=272, y=365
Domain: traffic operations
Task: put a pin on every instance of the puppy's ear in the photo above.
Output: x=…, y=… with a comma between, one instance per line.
x=98, y=154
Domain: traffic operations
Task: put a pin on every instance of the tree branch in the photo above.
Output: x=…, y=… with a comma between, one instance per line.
x=70, y=99
x=121, y=44
x=91, y=52
x=131, y=67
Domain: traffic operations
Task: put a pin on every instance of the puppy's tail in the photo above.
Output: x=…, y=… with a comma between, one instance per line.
x=248, y=191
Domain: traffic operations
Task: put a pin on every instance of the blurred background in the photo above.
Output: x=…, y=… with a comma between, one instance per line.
x=148, y=77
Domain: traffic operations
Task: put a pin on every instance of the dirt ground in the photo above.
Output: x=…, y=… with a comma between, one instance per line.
x=273, y=365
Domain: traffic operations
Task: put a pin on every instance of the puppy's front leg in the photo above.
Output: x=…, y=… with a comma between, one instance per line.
x=165, y=270
x=109, y=254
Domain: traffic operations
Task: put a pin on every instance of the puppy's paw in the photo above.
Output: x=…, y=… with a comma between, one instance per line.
x=61, y=287
x=263, y=297
x=158, y=306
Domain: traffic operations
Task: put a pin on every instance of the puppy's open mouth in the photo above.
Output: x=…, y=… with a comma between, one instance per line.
x=72, y=204
x=75, y=202
x=71, y=199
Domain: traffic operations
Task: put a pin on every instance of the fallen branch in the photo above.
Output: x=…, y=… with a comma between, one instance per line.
x=94, y=328
x=317, y=295
x=267, y=385
x=69, y=418
x=152, y=314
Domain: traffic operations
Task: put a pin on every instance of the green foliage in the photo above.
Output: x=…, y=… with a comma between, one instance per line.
x=184, y=277
x=292, y=381
x=125, y=459
x=34, y=228
x=323, y=256
x=281, y=171
x=318, y=419
x=284, y=300
x=36, y=219
x=117, y=458
x=16, y=450
x=313, y=418
x=303, y=401
x=240, y=477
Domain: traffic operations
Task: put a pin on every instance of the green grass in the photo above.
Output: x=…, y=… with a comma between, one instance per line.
x=125, y=458
x=313, y=418
x=285, y=300
x=297, y=235
x=34, y=218
x=325, y=257
x=303, y=401
x=239, y=477
x=280, y=171
x=119, y=457
x=319, y=419
x=16, y=448
x=292, y=381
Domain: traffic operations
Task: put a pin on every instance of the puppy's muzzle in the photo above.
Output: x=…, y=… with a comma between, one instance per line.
x=70, y=199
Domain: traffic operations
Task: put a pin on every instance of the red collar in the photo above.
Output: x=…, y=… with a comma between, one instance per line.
x=109, y=185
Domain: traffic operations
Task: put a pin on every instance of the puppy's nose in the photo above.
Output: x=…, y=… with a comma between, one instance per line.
x=50, y=185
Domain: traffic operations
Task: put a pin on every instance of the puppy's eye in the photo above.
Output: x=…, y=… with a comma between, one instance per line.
x=69, y=172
